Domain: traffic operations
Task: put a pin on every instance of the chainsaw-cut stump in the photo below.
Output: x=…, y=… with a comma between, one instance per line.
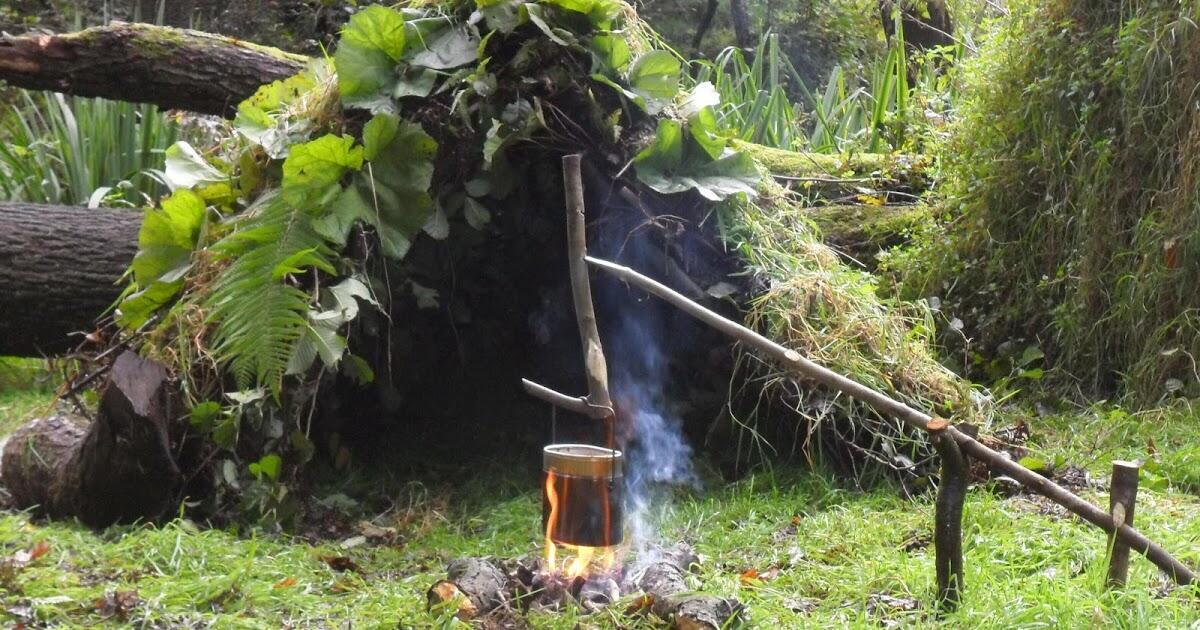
x=117, y=469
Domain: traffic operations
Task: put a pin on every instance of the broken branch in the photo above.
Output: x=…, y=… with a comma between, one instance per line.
x=888, y=406
x=577, y=405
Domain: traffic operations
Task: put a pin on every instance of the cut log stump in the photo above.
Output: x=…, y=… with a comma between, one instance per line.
x=664, y=580
x=477, y=585
x=118, y=468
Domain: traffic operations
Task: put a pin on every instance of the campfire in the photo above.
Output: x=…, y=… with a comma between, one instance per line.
x=586, y=559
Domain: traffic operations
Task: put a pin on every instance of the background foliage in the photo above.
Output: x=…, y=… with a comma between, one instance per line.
x=1071, y=200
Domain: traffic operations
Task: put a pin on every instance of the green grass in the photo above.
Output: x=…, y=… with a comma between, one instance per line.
x=67, y=150
x=823, y=550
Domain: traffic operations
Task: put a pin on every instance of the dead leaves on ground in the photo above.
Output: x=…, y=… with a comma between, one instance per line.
x=117, y=604
x=11, y=567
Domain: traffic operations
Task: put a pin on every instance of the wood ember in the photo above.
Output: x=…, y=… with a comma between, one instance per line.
x=482, y=589
x=478, y=585
x=664, y=580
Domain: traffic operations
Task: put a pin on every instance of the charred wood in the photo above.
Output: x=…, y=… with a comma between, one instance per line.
x=664, y=580
x=474, y=585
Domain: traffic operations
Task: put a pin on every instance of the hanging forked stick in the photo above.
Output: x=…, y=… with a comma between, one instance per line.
x=598, y=403
x=891, y=407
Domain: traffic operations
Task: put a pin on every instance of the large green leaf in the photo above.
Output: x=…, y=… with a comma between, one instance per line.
x=364, y=75
x=378, y=133
x=185, y=168
x=391, y=195
x=314, y=166
x=372, y=44
x=601, y=13
x=321, y=339
x=167, y=237
x=376, y=28
x=655, y=77
x=611, y=53
x=677, y=162
x=449, y=48
x=501, y=15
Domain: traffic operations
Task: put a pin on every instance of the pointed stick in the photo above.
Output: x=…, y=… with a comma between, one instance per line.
x=581, y=287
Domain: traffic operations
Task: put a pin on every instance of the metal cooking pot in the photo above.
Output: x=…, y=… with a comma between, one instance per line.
x=587, y=482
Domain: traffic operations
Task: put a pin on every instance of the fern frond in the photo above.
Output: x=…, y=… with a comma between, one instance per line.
x=258, y=311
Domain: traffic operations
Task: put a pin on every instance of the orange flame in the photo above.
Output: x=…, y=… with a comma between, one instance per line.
x=585, y=558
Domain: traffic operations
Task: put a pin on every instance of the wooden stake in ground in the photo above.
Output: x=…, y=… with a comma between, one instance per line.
x=948, y=513
x=887, y=406
x=1121, y=499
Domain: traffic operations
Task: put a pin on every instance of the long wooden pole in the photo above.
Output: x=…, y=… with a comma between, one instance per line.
x=888, y=406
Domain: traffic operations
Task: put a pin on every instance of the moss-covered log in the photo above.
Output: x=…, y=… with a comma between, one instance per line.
x=172, y=68
x=880, y=170
x=862, y=231
x=59, y=268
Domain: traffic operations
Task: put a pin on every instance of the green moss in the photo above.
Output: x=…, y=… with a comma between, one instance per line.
x=1072, y=197
x=794, y=164
x=862, y=231
x=160, y=42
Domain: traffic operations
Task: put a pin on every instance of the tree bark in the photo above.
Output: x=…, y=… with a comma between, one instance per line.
x=741, y=24
x=58, y=271
x=706, y=20
x=119, y=468
x=926, y=23
x=664, y=580
x=172, y=68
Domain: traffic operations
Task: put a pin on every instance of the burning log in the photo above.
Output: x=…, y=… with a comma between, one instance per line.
x=474, y=585
x=664, y=581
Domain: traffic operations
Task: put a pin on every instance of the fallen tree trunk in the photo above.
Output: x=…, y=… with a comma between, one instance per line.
x=118, y=468
x=862, y=231
x=172, y=68
x=885, y=171
x=59, y=266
